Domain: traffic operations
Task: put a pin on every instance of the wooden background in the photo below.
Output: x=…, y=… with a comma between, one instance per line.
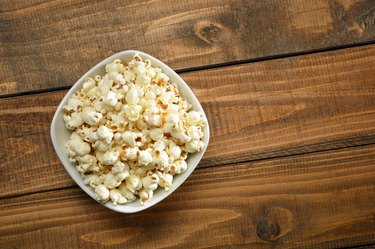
x=289, y=90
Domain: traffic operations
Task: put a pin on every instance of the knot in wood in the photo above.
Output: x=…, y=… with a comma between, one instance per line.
x=211, y=32
x=267, y=230
x=208, y=31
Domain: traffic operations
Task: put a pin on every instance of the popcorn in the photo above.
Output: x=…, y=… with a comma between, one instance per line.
x=194, y=146
x=165, y=181
x=97, y=78
x=131, y=137
x=116, y=77
x=116, y=197
x=165, y=98
x=117, y=138
x=110, y=157
x=174, y=151
x=145, y=158
x=172, y=118
x=131, y=153
x=151, y=72
x=180, y=135
x=140, y=91
x=140, y=69
x=122, y=176
x=145, y=195
x=133, y=183
x=110, y=181
x=150, y=95
x=132, y=112
x=93, y=136
x=74, y=121
x=77, y=147
x=119, y=167
x=131, y=131
x=111, y=99
x=173, y=108
x=99, y=107
x=105, y=134
x=99, y=180
x=87, y=163
x=194, y=132
x=102, y=192
x=161, y=158
x=143, y=80
x=90, y=116
x=115, y=66
x=150, y=182
x=156, y=134
x=101, y=145
x=89, y=85
x=73, y=104
x=162, y=76
x=102, y=90
x=159, y=145
x=90, y=179
x=193, y=118
x=132, y=96
x=129, y=75
x=126, y=192
x=153, y=120
x=178, y=167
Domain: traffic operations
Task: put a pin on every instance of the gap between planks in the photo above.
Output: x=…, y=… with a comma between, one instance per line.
x=190, y=34
x=201, y=168
x=364, y=246
x=217, y=66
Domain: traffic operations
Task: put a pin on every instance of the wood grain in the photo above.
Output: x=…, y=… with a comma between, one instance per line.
x=318, y=200
x=258, y=110
x=51, y=44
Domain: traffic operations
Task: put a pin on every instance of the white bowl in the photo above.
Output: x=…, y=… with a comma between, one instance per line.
x=60, y=135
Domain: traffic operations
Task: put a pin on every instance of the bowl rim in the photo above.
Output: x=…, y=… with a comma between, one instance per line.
x=78, y=84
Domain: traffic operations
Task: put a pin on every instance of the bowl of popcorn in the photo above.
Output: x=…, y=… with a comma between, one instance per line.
x=130, y=131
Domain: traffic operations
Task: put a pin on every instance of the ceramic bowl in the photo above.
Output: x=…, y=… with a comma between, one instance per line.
x=60, y=135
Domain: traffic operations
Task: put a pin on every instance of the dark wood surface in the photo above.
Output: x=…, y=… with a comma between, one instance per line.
x=51, y=44
x=274, y=203
x=289, y=91
x=256, y=110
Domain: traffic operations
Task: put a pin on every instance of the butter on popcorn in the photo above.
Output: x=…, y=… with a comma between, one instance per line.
x=131, y=131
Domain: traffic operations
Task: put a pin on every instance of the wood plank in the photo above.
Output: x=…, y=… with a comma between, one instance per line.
x=51, y=44
x=318, y=200
x=258, y=110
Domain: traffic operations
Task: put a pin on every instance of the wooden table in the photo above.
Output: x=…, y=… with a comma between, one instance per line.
x=289, y=90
